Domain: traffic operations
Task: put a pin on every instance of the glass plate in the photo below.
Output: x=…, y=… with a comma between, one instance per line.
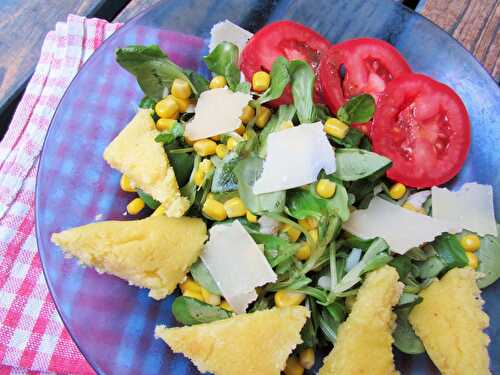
x=113, y=323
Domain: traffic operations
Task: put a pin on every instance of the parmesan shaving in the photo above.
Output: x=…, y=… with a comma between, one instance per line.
x=226, y=31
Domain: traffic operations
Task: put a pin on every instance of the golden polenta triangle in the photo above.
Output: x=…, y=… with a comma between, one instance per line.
x=364, y=340
x=450, y=323
x=246, y=344
x=153, y=253
x=135, y=153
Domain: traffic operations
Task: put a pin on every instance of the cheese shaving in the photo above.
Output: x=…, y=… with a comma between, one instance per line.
x=226, y=31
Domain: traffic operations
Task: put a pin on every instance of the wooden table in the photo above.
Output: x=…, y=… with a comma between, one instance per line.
x=24, y=24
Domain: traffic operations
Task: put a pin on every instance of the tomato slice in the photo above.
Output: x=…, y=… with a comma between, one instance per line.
x=423, y=127
x=283, y=38
x=359, y=66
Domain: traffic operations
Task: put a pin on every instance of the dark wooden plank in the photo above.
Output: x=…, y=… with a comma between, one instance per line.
x=474, y=23
x=133, y=8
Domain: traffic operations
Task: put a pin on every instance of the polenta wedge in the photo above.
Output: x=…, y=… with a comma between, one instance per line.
x=135, y=153
x=364, y=340
x=450, y=323
x=247, y=344
x=153, y=253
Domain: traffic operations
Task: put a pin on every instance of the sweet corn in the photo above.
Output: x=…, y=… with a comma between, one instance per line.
x=221, y=151
x=217, y=82
x=247, y=115
x=325, y=188
x=309, y=223
x=260, y=81
x=235, y=207
x=126, y=184
x=190, y=284
x=473, y=261
x=283, y=298
x=411, y=207
x=226, y=306
x=293, y=367
x=181, y=89
x=167, y=108
x=195, y=295
x=159, y=211
x=210, y=196
x=214, y=210
x=182, y=104
x=205, y=147
x=211, y=299
x=165, y=124
x=306, y=358
x=397, y=191
x=231, y=143
x=241, y=129
x=292, y=232
x=304, y=252
x=286, y=125
x=336, y=128
x=135, y=206
x=206, y=165
x=470, y=242
x=314, y=234
x=199, y=177
x=251, y=217
x=263, y=117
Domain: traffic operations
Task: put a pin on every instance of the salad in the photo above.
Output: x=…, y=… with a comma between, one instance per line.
x=292, y=195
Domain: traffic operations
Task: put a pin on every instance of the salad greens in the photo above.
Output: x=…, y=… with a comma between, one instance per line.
x=358, y=109
x=223, y=60
x=190, y=311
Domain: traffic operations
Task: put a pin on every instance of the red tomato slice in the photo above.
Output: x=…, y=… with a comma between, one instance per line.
x=283, y=38
x=359, y=66
x=423, y=127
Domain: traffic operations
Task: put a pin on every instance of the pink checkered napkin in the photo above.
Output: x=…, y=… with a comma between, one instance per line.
x=32, y=336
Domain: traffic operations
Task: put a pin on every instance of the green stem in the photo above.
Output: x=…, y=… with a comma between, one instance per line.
x=181, y=150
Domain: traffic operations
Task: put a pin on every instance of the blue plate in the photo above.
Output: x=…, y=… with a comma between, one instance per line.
x=113, y=323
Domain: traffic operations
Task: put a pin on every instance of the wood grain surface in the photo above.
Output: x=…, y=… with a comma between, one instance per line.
x=474, y=23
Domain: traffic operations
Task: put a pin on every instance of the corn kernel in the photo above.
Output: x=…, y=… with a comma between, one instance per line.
x=473, y=261
x=231, y=143
x=470, y=242
x=260, y=81
x=336, y=128
x=211, y=299
x=306, y=358
x=195, y=295
x=164, y=124
x=235, y=207
x=283, y=298
x=226, y=306
x=304, y=252
x=221, y=151
x=206, y=165
x=210, y=196
x=309, y=223
x=217, y=82
x=205, y=147
x=167, y=108
x=181, y=89
x=314, y=234
x=241, y=129
x=411, y=207
x=292, y=232
x=135, y=206
x=126, y=184
x=159, y=211
x=397, y=191
x=286, y=125
x=263, y=117
x=293, y=367
x=247, y=115
x=214, y=210
x=326, y=188
x=190, y=284
x=251, y=217
x=182, y=104
x=199, y=177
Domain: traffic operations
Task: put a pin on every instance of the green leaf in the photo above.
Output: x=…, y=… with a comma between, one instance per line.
x=279, y=79
x=147, y=102
x=181, y=163
x=329, y=326
x=378, y=261
x=224, y=177
x=489, y=261
x=431, y=267
x=198, y=81
x=405, y=338
x=223, y=60
x=244, y=87
x=175, y=132
x=152, y=68
x=402, y=264
x=203, y=277
x=148, y=200
x=351, y=140
x=354, y=164
x=321, y=112
x=358, y=109
x=248, y=171
x=409, y=300
x=302, y=78
x=285, y=113
x=450, y=251
x=189, y=311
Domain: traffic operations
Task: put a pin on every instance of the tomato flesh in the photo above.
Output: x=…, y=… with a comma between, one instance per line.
x=290, y=40
x=423, y=127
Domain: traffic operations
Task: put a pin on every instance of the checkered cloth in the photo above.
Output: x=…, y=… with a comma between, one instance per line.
x=32, y=336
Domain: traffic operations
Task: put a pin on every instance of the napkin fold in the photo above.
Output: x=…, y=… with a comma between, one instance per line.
x=32, y=335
